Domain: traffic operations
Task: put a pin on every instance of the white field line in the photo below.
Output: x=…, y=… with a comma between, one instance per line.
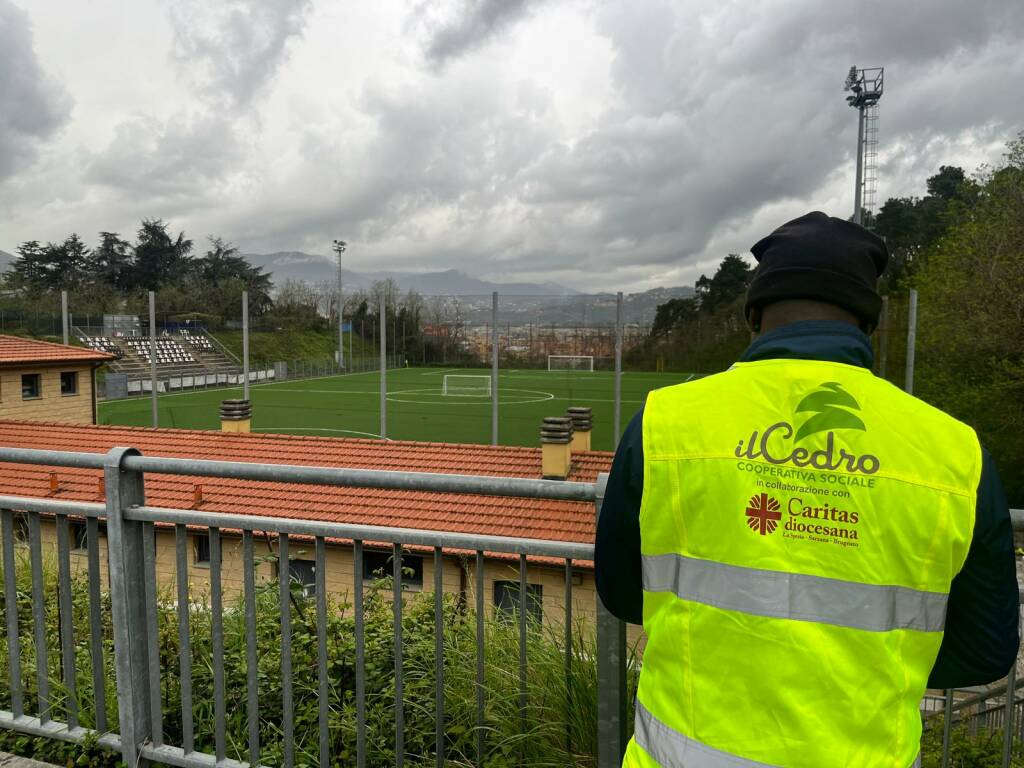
x=320, y=429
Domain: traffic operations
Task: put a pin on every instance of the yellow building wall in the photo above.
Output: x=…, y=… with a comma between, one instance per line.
x=51, y=405
x=459, y=575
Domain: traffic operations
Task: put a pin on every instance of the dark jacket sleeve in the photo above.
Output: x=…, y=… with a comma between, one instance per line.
x=617, y=548
x=982, y=617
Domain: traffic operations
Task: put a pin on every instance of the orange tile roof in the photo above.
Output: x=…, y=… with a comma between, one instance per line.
x=500, y=516
x=14, y=349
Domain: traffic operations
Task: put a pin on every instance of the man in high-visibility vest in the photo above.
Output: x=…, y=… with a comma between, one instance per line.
x=807, y=546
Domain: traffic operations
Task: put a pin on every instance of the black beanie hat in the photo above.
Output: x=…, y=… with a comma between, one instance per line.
x=822, y=258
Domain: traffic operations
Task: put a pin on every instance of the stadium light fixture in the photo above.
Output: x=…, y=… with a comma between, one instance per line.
x=865, y=87
x=339, y=248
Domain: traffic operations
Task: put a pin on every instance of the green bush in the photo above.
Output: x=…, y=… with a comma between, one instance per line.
x=981, y=750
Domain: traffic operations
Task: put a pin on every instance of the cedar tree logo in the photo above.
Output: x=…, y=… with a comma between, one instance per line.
x=763, y=513
x=831, y=406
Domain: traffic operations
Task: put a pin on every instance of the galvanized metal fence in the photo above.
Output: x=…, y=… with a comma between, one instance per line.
x=131, y=564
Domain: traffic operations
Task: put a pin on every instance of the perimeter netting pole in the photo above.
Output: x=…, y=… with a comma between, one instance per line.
x=383, y=368
x=883, y=337
x=618, y=370
x=152, y=356
x=64, y=324
x=245, y=345
x=911, y=341
x=494, y=368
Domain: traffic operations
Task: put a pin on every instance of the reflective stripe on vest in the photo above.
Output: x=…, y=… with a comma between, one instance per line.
x=800, y=527
x=675, y=750
x=871, y=607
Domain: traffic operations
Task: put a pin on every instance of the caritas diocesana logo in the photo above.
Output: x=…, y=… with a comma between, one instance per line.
x=763, y=513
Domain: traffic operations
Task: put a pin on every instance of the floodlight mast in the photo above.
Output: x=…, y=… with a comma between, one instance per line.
x=865, y=86
x=339, y=248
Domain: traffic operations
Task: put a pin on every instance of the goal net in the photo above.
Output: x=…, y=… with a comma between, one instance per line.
x=570, y=362
x=466, y=386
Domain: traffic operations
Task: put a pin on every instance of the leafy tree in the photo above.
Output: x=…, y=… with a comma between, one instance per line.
x=911, y=225
x=673, y=314
x=50, y=267
x=111, y=263
x=30, y=269
x=726, y=285
x=971, y=317
x=227, y=273
x=159, y=258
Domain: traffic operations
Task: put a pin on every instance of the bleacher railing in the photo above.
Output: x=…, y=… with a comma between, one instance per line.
x=133, y=595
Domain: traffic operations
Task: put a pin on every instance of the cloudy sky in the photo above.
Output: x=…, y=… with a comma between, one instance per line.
x=619, y=144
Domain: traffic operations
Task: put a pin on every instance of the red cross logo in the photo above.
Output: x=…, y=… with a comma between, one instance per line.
x=763, y=514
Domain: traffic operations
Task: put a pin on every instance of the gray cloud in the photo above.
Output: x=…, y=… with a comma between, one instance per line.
x=161, y=162
x=233, y=49
x=32, y=106
x=712, y=124
x=470, y=25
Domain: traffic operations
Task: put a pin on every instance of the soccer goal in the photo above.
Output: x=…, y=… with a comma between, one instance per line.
x=570, y=362
x=466, y=386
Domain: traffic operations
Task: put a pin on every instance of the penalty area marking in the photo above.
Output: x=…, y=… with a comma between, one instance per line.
x=357, y=433
x=434, y=397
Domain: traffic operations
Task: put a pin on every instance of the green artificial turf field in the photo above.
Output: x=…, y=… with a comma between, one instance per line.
x=347, y=405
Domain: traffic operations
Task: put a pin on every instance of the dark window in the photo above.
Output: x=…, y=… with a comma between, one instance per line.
x=20, y=523
x=69, y=382
x=79, y=536
x=507, y=602
x=202, y=548
x=379, y=565
x=303, y=572
x=30, y=386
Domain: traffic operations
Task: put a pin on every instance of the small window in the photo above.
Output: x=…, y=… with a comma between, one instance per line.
x=20, y=524
x=69, y=382
x=379, y=565
x=303, y=572
x=507, y=602
x=202, y=541
x=30, y=386
x=79, y=536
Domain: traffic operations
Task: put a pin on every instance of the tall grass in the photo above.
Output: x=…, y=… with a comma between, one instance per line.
x=557, y=727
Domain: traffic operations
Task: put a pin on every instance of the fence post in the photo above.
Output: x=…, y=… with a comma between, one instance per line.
x=128, y=604
x=494, y=368
x=911, y=342
x=64, y=324
x=611, y=675
x=1011, y=701
x=245, y=345
x=617, y=418
x=947, y=726
x=883, y=337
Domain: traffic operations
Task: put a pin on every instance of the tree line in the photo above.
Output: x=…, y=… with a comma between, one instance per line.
x=115, y=275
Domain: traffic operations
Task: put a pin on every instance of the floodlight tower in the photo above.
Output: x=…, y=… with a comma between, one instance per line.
x=865, y=86
x=339, y=248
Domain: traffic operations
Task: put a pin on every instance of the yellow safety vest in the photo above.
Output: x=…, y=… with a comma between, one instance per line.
x=800, y=527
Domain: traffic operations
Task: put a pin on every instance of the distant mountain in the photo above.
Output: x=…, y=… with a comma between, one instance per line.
x=5, y=259
x=578, y=309
x=303, y=266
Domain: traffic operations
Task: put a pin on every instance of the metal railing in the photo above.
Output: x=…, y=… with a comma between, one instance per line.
x=131, y=564
x=1000, y=707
